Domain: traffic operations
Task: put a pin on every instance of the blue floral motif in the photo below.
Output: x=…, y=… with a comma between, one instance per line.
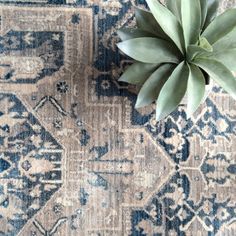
x=47, y=48
x=172, y=209
x=31, y=157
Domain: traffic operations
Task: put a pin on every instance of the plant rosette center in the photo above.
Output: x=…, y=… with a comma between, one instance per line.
x=177, y=47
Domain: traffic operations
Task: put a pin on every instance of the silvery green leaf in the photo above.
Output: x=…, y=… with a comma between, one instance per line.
x=203, y=4
x=168, y=22
x=218, y=72
x=227, y=42
x=191, y=20
x=150, y=50
x=173, y=91
x=204, y=44
x=220, y=26
x=224, y=50
x=195, y=89
x=193, y=51
x=127, y=33
x=146, y=22
x=212, y=6
x=175, y=7
x=226, y=57
x=202, y=49
x=138, y=73
x=152, y=86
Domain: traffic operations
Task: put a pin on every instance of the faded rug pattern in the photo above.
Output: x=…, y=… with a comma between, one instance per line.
x=76, y=157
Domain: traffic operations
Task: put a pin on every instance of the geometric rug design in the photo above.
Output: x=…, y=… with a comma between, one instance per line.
x=77, y=158
x=30, y=165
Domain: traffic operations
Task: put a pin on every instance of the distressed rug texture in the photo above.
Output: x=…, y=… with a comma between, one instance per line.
x=77, y=159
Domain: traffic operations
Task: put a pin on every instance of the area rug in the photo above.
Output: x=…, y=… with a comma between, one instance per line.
x=77, y=159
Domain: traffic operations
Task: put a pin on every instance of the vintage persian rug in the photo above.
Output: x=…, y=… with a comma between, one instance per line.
x=77, y=159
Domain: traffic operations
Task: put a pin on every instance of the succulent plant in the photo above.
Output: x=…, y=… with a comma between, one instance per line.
x=176, y=47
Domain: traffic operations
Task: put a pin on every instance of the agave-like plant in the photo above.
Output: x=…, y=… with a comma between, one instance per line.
x=176, y=48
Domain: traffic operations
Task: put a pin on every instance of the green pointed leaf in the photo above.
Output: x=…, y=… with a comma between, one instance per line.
x=227, y=42
x=202, y=49
x=194, y=50
x=226, y=57
x=173, y=91
x=138, y=73
x=203, y=43
x=212, y=7
x=146, y=22
x=220, y=26
x=219, y=73
x=195, y=89
x=168, y=22
x=224, y=50
x=150, y=50
x=127, y=33
x=203, y=4
x=151, y=88
x=191, y=20
x=175, y=7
